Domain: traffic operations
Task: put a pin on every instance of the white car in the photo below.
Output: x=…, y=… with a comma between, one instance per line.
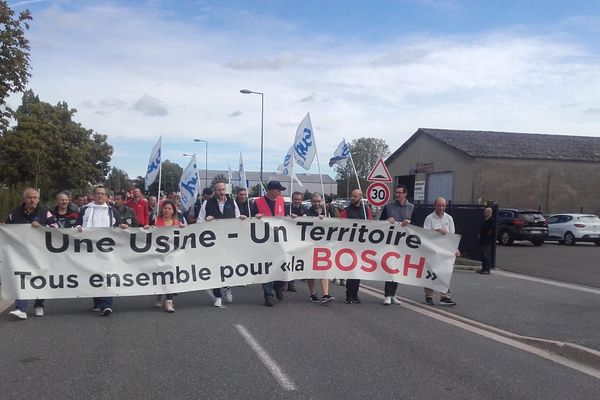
x=572, y=228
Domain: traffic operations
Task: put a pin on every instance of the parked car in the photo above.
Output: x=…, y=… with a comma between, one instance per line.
x=514, y=224
x=572, y=228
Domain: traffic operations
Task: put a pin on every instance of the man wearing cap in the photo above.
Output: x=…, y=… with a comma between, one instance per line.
x=271, y=205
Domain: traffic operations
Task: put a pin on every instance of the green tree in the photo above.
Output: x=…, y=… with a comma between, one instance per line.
x=365, y=153
x=14, y=57
x=117, y=180
x=170, y=175
x=48, y=149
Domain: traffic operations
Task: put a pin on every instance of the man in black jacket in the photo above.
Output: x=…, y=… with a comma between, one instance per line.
x=220, y=206
x=486, y=239
x=126, y=213
x=30, y=212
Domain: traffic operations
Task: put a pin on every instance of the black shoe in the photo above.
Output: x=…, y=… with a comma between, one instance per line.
x=348, y=300
x=486, y=272
x=429, y=300
x=279, y=294
x=106, y=312
x=95, y=308
x=446, y=301
x=314, y=298
x=292, y=287
x=327, y=299
x=269, y=301
x=356, y=300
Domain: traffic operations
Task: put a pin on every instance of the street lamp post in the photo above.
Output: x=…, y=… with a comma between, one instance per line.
x=205, y=160
x=262, y=115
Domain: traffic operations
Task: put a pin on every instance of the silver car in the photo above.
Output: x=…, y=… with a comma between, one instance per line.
x=572, y=228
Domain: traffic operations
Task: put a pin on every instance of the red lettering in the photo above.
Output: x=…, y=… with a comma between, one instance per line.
x=418, y=267
x=365, y=258
x=338, y=261
x=384, y=263
x=321, y=255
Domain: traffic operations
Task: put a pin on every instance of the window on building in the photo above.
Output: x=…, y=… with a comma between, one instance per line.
x=439, y=184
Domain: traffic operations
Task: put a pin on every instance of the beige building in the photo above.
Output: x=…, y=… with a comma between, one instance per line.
x=553, y=173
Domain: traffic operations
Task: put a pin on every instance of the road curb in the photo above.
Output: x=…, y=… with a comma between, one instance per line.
x=570, y=351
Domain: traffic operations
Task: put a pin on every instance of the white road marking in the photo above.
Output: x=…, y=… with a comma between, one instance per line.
x=546, y=281
x=269, y=362
x=502, y=336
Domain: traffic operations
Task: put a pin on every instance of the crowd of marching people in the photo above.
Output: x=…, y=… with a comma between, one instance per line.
x=133, y=209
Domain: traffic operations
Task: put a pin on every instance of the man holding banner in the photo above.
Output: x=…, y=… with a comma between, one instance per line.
x=220, y=206
x=100, y=215
x=32, y=213
x=271, y=205
x=355, y=210
x=443, y=223
x=401, y=211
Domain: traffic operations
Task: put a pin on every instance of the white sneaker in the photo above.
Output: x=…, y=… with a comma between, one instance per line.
x=395, y=300
x=227, y=294
x=17, y=314
x=159, y=301
x=217, y=302
x=169, y=306
x=38, y=311
x=387, y=301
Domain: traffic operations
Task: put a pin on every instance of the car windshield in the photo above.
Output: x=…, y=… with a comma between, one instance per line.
x=532, y=216
x=590, y=219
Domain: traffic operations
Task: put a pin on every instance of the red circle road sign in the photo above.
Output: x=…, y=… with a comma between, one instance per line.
x=378, y=193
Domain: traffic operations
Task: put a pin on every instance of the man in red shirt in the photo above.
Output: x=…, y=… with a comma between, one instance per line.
x=140, y=206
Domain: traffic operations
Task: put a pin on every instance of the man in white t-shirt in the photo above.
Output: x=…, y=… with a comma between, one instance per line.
x=443, y=223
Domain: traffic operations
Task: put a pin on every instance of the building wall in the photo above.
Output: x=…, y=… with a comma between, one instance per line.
x=424, y=149
x=550, y=185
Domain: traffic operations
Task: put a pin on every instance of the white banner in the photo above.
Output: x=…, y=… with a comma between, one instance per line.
x=64, y=263
x=153, y=164
x=304, y=144
x=188, y=185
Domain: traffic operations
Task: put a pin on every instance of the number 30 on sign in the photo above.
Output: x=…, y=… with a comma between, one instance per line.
x=378, y=194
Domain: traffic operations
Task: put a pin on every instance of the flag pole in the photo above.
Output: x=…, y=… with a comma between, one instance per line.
x=320, y=177
x=291, y=184
x=159, y=173
x=357, y=180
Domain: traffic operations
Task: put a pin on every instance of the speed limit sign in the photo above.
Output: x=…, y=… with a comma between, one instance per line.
x=378, y=194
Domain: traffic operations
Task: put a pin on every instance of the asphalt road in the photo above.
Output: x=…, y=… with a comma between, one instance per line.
x=578, y=264
x=337, y=351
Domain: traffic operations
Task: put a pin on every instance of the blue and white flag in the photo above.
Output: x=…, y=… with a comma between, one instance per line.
x=304, y=144
x=153, y=164
x=286, y=167
x=242, y=174
x=188, y=185
x=341, y=155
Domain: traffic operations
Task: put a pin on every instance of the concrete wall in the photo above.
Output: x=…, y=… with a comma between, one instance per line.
x=425, y=149
x=554, y=186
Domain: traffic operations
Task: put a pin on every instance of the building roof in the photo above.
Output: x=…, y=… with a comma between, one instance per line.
x=490, y=144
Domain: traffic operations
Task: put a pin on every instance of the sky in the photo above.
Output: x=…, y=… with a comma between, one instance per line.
x=135, y=70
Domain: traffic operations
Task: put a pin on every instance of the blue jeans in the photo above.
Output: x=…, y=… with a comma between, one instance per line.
x=22, y=304
x=103, y=302
x=270, y=287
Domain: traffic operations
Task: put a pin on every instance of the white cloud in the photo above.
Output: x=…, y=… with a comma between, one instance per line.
x=150, y=106
x=127, y=66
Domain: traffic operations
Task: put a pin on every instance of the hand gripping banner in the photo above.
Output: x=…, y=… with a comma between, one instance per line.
x=64, y=263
